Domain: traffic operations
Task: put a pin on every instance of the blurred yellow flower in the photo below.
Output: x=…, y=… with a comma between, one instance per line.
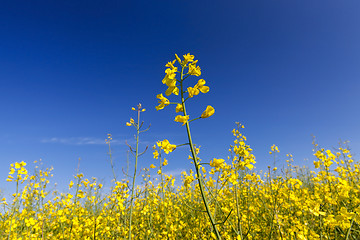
x=9, y=178
x=22, y=171
x=165, y=162
x=17, y=165
x=156, y=154
x=217, y=163
x=130, y=123
x=317, y=164
x=274, y=148
x=188, y=181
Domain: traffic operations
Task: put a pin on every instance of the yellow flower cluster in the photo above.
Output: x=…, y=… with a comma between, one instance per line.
x=173, y=85
x=19, y=169
x=166, y=146
x=199, y=87
x=274, y=149
x=170, y=80
x=243, y=158
x=217, y=163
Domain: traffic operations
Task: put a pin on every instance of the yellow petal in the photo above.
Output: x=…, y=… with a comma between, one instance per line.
x=209, y=111
x=182, y=119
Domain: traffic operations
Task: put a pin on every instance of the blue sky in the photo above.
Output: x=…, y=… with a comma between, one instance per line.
x=70, y=71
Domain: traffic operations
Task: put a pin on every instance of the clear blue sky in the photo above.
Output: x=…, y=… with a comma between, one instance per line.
x=70, y=71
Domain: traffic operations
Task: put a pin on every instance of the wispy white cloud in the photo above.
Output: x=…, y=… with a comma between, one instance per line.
x=80, y=141
x=91, y=141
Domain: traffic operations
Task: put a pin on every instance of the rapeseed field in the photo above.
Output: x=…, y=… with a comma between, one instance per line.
x=219, y=199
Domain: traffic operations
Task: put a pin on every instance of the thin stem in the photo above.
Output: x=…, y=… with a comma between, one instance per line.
x=196, y=163
x=111, y=159
x=134, y=177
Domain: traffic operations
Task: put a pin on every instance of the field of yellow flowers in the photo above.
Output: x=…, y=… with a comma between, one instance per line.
x=220, y=199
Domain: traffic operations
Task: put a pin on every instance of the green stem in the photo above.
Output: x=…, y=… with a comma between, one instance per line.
x=238, y=212
x=197, y=166
x=163, y=192
x=135, y=171
x=111, y=161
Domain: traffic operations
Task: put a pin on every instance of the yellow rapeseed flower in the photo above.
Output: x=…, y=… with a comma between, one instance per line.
x=166, y=146
x=209, y=111
x=179, y=108
x=188, y=58
x=171, y=65
x=274, y=148
x=17, y=165
x=182, y=119
x=188, y=180
x=170, y=81
x=201, y=86
x=163, y=101
x=165, y=162
x=217, y=163
x=9, y=178
x=177, y=58
x=192, y=91
x=130, y=123
x=71, y=184
x=156, y=154
x=22, y=171
x=194, y=70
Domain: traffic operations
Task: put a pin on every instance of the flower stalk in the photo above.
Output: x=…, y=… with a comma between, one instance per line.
x=195, y=160
x=138, y=126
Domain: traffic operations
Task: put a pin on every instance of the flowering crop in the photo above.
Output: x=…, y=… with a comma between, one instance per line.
x=218, y=199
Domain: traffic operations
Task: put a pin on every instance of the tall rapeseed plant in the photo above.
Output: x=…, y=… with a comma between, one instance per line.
x=176, y=87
